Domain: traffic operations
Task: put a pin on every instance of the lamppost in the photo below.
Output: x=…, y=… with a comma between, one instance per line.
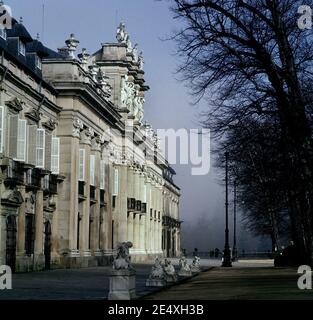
x=235, y=223
x=227, y=257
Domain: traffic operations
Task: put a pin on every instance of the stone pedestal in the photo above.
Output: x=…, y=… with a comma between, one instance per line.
x=122, y=285
x=155, y=283
x=185, y=273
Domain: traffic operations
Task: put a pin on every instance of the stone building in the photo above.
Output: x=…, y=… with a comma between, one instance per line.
x=80, y=169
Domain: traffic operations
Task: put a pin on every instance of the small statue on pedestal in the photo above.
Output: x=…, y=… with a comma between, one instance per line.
x=170, y=273
x=184, y=269
x=195, y=266
x=157, y=276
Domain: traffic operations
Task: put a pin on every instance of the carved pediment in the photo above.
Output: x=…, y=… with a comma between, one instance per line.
x=50, y=124
x=33, y=115
x=12, y=198
x=15, y=104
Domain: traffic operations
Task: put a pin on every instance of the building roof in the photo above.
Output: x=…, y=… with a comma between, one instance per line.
x=18, y=30
x=38, y=48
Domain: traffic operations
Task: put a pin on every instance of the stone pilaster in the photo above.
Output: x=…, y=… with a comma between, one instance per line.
x=39, y=229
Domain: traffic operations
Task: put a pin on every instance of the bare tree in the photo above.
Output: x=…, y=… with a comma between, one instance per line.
x=250, y=60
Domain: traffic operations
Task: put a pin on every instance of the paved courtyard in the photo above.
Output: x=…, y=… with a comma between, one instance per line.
x=248, y=279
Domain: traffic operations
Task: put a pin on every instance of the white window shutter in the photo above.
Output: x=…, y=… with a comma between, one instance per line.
x=102, y=174
x=1, y=128
x=55, y=156
x=13, y=136
x=116, y=183
x=92, y=170
x=32, y=139
x=40, y=148
x=48, y=151
x=81, y=175
x=21, y=140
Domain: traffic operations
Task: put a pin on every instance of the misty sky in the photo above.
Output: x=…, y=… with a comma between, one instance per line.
x=167, y=103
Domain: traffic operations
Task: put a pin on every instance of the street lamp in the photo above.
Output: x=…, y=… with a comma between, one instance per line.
x=235, y=223
x=227, y=257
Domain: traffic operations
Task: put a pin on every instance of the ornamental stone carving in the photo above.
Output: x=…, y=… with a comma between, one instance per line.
x=83, y=58
x=87, y=135
x=127, y=93
x=122, y=259
x=141, y=61
x=15, y=104
x=77, y=127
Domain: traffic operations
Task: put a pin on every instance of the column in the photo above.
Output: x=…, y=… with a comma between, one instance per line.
x=39, y=232
x=142, y=233
x=130, y=227
x=69, y=133
x=54, y=230
x=86, y=137
x=147, y=229
x=95, y=241
x=20, y=245
x=121, y=209
x=136, y=232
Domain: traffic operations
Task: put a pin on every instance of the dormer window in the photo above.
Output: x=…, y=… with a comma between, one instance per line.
x=38, y=63
x=22, y=48
x=3, y=33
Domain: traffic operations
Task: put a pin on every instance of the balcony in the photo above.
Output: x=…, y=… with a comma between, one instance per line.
x=53, y=184
x=143, y=207
x=13, y=173
x=81, y=191
x=102, y=198
x=138, y=206
x=92, y=194
x=131, y=204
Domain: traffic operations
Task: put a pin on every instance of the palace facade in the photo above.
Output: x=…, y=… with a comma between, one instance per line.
x=80, y=169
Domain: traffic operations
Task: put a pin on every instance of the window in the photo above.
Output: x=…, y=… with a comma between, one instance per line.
x=21, y=140
x=81, y=174
x=92, y=170
x=102, y=174
x=40, y=148
x=55, y=156
x=22, y=48
x=1, y=127
x=115, y=183
x=38, y=63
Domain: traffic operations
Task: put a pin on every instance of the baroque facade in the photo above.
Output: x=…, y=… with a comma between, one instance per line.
x=80, y=169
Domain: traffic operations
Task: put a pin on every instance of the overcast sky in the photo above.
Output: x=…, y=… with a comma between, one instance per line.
x=167, y=102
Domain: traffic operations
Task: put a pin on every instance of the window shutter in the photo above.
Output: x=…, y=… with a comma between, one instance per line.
x=13, y=136
x=55, y=156
x=115, y=186
x=102, y=174
x=48, y=153
x=40, y=148
x=81, y=175
x=21, y=140
x=32, y=137
x=1, y=128
x=92, y=170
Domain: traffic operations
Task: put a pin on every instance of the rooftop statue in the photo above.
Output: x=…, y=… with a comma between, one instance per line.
x=122, y=259
x=121, y=34
x=141, y=61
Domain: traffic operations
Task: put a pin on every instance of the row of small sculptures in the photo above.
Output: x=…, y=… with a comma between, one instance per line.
x=165, y=272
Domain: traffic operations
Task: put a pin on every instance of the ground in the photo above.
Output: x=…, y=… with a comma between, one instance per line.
x=248, y=279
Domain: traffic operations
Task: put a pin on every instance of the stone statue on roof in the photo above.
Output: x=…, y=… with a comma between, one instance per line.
x=121, y=34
